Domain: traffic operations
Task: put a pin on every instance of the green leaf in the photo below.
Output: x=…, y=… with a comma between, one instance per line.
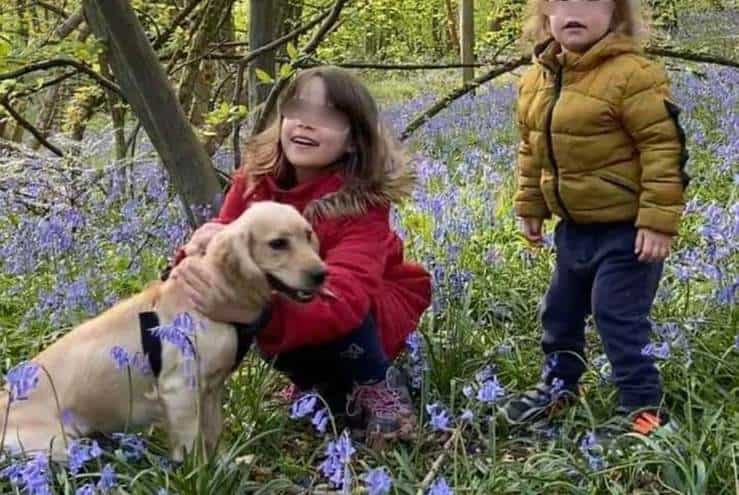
x=286, y=71
x=264, y=77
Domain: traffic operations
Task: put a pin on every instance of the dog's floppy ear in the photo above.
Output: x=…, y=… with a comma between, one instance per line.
x=232, y=256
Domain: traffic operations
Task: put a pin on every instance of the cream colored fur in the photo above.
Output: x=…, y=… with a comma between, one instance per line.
x=94, y=397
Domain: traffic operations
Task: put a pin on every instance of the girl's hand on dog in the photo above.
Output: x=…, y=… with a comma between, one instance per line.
x=201, y=237
x=206, y=295
x=531, y=229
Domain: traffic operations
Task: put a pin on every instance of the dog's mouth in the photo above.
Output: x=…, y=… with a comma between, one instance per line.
x=300, y=295
x=574, y=25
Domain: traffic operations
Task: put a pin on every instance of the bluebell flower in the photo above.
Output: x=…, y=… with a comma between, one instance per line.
x=378, y=481
x=320, y=420
x=490, y=391
x=592, y=451
x=303, y=406
x=86, y=489
x=22, y=379
x=32, y=477
x=107, y=479
x=439, y=418
x=660, y=351
x=336, y=465
x=80, y=452
x=467, y=416
x=440, y=487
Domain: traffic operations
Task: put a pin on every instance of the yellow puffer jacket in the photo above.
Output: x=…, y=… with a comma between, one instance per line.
x=600, y=138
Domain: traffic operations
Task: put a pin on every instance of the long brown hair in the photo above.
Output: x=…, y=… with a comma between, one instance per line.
x=629, y=18
x=377, y=154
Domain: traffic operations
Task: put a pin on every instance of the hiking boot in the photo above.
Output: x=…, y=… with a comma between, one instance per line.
x=543, y=401
x=648, y=421
x=385, y=409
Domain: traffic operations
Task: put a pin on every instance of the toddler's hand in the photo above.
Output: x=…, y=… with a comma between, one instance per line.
x=531, y=229
x=652, y=246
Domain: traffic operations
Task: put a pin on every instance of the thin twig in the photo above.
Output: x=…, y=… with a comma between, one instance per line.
x=51, y=82
x=439, y=461
x=459, y=92
x=162, y=38
x=323, y=31
x=62, y=62
x=30, y=128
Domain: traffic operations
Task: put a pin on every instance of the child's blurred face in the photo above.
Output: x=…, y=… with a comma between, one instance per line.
x=578, y=25
x=314, y=134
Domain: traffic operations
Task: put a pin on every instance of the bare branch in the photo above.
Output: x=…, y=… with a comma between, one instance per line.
x=326, y=27
x=52, y=8
x=51, y=82
x=61, y=62
x=282, y=40
x=71, y=23
x=459, y=92
x=691, y=56
x=29, y=127
x=162, y=38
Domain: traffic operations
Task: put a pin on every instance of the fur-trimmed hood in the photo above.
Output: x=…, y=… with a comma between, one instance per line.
x=334, y=195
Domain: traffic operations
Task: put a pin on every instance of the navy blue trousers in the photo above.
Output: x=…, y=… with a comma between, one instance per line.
x=598, y=273
x=357, y=358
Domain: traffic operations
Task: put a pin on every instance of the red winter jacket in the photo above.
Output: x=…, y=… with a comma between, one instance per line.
x=364, y=257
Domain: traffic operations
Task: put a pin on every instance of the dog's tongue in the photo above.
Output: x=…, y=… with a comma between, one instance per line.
x=325, y=292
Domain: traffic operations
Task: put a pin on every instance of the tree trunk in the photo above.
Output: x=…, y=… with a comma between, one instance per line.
x=147, y=90
x=115, y=108
x=467, y=29
x=451, y=25
x=262, y=15
x=198, y=77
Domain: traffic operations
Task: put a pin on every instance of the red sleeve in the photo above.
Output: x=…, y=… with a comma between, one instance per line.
x=355, y=264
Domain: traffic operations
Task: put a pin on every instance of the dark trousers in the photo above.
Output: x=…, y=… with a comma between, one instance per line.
x=337, y=366
x=598, y=273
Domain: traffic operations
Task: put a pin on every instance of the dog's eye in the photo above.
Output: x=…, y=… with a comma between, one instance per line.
x=278, y=244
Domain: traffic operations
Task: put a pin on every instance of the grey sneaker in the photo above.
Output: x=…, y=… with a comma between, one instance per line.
x=537, y=403
x=385, y=409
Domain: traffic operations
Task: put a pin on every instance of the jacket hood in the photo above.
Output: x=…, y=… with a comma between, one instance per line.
x=336, y=195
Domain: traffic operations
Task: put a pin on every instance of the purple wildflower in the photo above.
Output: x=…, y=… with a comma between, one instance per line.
x=439, y=417
x=22, y=379
x=86, y=489
x=660, y=351
x=593, y=451
x=320, y=420
x=467, y=416
x=303, y=406
x=80, y=452
x=107, y=479
x=378, y=481
x=336, y=465
x=490, y=391
x=440, y=487
x=32, y=477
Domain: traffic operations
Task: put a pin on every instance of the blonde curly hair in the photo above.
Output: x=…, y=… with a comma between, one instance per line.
x=630, y=18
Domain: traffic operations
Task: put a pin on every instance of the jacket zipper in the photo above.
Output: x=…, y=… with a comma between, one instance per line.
x=550, y=145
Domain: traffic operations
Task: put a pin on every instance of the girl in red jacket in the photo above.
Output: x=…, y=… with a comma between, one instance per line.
x=327, y=156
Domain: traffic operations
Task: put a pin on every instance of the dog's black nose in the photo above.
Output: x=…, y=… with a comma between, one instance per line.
x=317, y=276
